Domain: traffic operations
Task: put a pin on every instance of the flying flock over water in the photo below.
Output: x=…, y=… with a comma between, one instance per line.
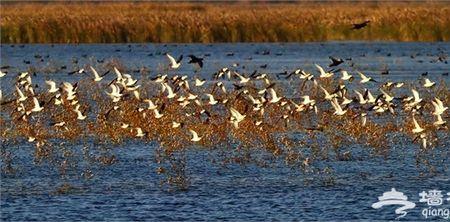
x=201, y=98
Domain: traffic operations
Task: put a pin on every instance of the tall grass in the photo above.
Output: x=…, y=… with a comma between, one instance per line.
x=205, y=23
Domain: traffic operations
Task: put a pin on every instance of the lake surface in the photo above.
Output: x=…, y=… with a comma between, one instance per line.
x=130, y=190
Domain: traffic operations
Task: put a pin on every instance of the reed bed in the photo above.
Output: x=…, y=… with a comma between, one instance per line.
x=208, y=23
x=301, y=139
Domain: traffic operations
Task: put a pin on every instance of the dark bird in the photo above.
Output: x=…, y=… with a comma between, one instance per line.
x=360, y=25
x=196, y=60
x=80, y=71
x=335, y=61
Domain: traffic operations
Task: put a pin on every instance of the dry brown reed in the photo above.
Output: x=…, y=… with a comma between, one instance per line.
x=325, y=136
x=207, y=23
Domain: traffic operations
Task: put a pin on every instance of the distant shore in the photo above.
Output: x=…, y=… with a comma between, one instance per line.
x=208, y=23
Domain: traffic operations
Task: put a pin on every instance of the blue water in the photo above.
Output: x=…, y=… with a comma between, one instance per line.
x=130, y=189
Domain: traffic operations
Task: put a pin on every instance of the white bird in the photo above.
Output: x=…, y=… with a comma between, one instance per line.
x=52, y=85
x=346, y=76
x=157, y=114
x=337, y=107
x=274, y=96
x=60, y=124
x=2, y=74
x=175, y=124
x=137, y=95
x=399, y=84
x=71, y=94
x=170, y=93
x=151, y=105
x=192, y=96
x=174, y=64
x=370, y=98
x=22, y=97
x=328, y=96
x=243, y=79
x=424, y=140
x=139, y=132
x=439, y=121
x=115, y=93
x=212, y=101
x=323, y=74
x=119, y=75
x=195, y=137
x=417, y=128
x=58, y=100
x=439, y=107
x=160, y=78
x=222, y=87
x=37, y=107
x=236, y=117
x=346, y=101
x=428, y=83
x=364, y=78
x=387, y=97
x=80, y=115
x=97, y=77
x=361, y=98
x=308, y=101
x=417, y=98
x=364, y=119
x=253, y=100
x=305, y=75
x=199, y=82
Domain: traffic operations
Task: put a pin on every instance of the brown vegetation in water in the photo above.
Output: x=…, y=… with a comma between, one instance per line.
x=207, y=23
x=302, y=139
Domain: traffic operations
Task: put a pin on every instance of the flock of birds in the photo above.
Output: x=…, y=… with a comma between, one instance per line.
x=182, y=103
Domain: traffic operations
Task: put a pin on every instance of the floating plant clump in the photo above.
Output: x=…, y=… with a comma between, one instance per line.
x=240, y=118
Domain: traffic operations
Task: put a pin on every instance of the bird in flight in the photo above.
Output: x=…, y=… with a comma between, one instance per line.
x=335, y=61
x=196, y=60
x=357, y=26
x=174, y=64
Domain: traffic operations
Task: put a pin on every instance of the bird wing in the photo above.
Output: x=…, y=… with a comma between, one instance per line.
x=180, y=58
x=171, y=59
x=194, y=134
x=51, y=84
x=20, y=92
x=322, y=72
x=119, y=75
x=416, y=125
x=362, y=75
x=95, y=72
x=36, y=102
x=416, y=95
